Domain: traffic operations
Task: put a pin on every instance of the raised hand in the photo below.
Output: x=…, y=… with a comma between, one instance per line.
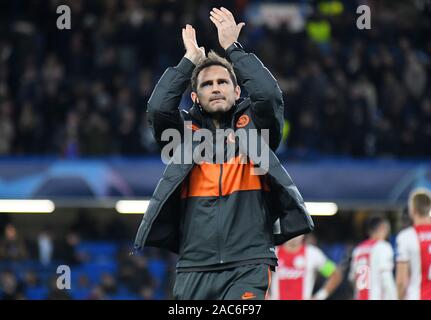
x=193, y=52
x=228, y=30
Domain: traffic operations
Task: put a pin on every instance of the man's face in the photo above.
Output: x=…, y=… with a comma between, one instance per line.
x=216, y=92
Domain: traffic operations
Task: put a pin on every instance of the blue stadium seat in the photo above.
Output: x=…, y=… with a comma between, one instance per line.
x=36, y=293
x=94, y=270
x=124, y=296
x=335, y=252
x=80, y=294
x=157, y=269
x=98, y=251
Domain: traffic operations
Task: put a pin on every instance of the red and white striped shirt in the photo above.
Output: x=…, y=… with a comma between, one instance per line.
x=371, y=271
x=296, y=272
x=414, y=247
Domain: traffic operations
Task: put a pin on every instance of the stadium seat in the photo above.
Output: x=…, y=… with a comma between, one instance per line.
x=157, y=269
x=80, y=294
x=98, y=251
x=36, y=293
x=94, y=270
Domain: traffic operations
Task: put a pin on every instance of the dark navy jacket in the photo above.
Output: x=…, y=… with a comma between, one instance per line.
x=218, y=214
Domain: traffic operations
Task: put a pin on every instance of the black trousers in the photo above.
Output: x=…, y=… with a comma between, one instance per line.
x=248, y=282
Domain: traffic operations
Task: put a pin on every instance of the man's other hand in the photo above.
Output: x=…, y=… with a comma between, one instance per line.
x=228, y=30
x=193, y=52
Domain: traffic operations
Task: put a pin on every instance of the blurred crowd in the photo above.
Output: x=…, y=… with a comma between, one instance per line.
x=101, y=265
x=99, y=269
x=83, y=92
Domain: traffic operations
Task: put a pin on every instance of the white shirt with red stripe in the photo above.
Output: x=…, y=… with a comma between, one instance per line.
x=296, y=273
x=371, y=271
x=414, y=247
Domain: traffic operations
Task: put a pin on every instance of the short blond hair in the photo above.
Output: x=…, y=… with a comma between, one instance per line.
x=420, y=202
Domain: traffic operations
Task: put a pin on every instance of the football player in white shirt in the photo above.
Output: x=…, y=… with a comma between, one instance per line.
x=413, y=272
x=298, y=264
x=372, y=264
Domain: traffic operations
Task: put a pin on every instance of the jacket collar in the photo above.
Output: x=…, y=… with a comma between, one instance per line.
x=205, y=122
x=241, y=105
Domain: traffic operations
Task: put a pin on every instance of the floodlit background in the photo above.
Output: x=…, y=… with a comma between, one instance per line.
x=73, y=127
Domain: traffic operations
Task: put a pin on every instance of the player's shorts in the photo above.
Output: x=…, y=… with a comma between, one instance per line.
x=248, y=282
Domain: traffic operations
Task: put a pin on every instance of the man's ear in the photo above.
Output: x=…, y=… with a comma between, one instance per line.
x=237, y=92
x=194, y=97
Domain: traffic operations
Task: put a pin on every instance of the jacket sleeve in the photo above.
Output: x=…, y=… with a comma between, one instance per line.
x=267, y=107
x=163, y=106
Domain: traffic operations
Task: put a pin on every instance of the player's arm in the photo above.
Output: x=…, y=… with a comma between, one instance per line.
x=402, y=272
x=386, y=258
x=351, y=275
x=265, y=94
x=334, y=277
x=402, y=278
x=163, y=105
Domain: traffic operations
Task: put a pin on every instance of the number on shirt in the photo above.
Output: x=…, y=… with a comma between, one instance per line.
x=362, y=275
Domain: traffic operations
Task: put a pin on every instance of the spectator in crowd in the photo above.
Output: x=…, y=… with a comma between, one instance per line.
x=45, y=246
x=361, y=94
x=10, y=288
x=67, y=250
x=132, y=266
x=31, y=279
x=97, y=294
x=12, y=246
x=108, y=284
